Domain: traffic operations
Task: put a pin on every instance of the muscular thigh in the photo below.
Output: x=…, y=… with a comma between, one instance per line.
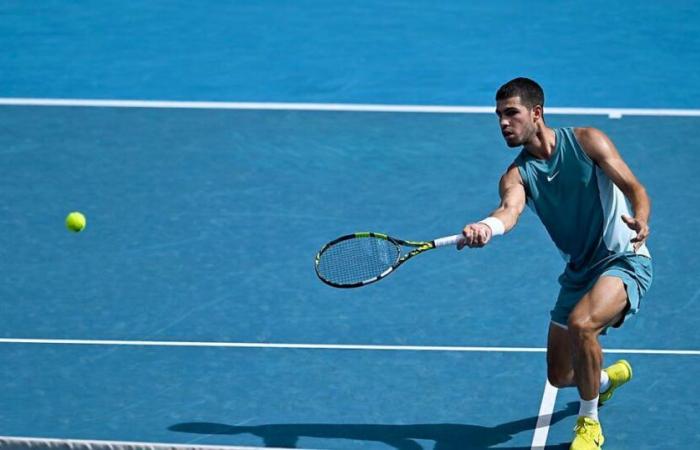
x=601, y=306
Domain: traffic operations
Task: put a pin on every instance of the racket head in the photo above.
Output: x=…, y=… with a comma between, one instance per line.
x=357, y=259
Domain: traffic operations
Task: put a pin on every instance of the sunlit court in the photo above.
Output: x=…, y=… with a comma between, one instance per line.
x=213, y=149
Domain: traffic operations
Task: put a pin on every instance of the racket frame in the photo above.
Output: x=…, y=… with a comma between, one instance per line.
x=418, y=247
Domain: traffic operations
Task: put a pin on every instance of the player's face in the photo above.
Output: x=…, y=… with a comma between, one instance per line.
x=516, y=121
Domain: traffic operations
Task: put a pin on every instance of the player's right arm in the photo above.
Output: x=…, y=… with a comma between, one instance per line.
x=512, y=191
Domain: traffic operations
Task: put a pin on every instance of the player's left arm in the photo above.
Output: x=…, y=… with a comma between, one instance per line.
x=602, y=151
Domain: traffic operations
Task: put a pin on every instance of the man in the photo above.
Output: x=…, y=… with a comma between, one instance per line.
x=577, y=183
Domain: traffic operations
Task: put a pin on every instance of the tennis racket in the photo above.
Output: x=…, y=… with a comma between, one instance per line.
x=359, y=259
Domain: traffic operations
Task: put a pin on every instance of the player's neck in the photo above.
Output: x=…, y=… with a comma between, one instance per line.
x=543, y=144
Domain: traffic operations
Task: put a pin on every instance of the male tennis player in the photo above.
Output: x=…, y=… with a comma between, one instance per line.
x=597, y=213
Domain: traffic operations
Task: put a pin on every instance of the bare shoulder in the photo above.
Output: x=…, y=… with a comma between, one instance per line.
x=595, y=143
x=590, y=135
x=512, y=176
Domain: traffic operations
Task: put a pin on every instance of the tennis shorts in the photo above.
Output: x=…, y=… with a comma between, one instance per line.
x=635, y=271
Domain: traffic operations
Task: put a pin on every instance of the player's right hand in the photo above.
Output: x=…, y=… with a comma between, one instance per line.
x=475, y=235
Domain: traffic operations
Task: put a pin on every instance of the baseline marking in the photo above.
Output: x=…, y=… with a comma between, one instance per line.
x=613, y=113
x=412, y=348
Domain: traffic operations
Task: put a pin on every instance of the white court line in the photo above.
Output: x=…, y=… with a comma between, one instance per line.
x=544, y=417
x=12, y=442
x=413, y=348
x=539, y=439
x=614, y=113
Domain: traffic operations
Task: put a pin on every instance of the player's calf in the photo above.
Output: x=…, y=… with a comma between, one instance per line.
x=560, y=378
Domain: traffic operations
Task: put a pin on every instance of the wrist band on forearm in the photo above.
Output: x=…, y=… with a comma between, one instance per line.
x=496, y=225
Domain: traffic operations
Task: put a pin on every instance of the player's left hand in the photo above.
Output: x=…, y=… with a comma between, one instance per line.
x=640, y=226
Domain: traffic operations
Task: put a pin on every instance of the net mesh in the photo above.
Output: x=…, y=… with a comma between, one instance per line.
x=356, y=260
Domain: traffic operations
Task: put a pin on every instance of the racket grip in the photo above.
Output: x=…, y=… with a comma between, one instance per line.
x=448, y=240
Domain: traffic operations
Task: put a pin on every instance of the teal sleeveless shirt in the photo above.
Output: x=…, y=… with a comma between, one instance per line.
x=578, y=204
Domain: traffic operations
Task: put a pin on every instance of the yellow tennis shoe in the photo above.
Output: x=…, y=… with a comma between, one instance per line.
x=588, y=435
x=619, y=373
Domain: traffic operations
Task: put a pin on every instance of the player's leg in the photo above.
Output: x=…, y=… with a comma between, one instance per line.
x=637, y=273
x=560, y=369
x=602, y=306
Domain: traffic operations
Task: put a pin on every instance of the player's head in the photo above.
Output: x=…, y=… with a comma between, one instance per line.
x=519, y=105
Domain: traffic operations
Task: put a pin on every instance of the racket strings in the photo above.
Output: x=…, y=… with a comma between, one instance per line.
x=356, y=260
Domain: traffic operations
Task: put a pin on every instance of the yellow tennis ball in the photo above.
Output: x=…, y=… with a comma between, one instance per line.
x=75, y=221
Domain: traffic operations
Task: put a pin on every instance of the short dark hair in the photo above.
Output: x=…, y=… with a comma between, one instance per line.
x=530, y=93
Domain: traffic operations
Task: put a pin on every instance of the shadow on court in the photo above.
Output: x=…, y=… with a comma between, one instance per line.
x=401, y=437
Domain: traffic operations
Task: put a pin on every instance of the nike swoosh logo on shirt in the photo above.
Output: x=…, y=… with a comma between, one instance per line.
x=553, y=176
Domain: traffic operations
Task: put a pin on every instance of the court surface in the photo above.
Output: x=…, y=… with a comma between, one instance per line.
x=188, y=312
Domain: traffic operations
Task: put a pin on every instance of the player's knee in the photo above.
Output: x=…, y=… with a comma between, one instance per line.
x=580, y=325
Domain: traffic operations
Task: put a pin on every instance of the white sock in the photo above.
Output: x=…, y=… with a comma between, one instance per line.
x=589, y=408
x=604, y=381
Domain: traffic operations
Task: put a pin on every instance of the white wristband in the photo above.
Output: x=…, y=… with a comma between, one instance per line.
x=496, y=225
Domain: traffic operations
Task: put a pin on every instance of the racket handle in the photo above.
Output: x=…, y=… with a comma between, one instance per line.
x=449, y=240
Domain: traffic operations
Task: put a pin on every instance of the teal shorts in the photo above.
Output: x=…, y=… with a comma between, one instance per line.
x=634, y=270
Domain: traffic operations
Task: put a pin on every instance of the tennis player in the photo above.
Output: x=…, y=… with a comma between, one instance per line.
x=596, y=212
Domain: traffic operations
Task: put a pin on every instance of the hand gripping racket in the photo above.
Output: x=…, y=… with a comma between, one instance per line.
x=359, y=259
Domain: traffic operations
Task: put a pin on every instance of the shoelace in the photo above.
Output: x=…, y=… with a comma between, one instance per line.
x=583, y=430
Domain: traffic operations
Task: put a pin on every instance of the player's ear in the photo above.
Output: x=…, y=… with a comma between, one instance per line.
x=537, y=113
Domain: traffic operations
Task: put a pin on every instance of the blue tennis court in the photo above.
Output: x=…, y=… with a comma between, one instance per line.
x=188, y=315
